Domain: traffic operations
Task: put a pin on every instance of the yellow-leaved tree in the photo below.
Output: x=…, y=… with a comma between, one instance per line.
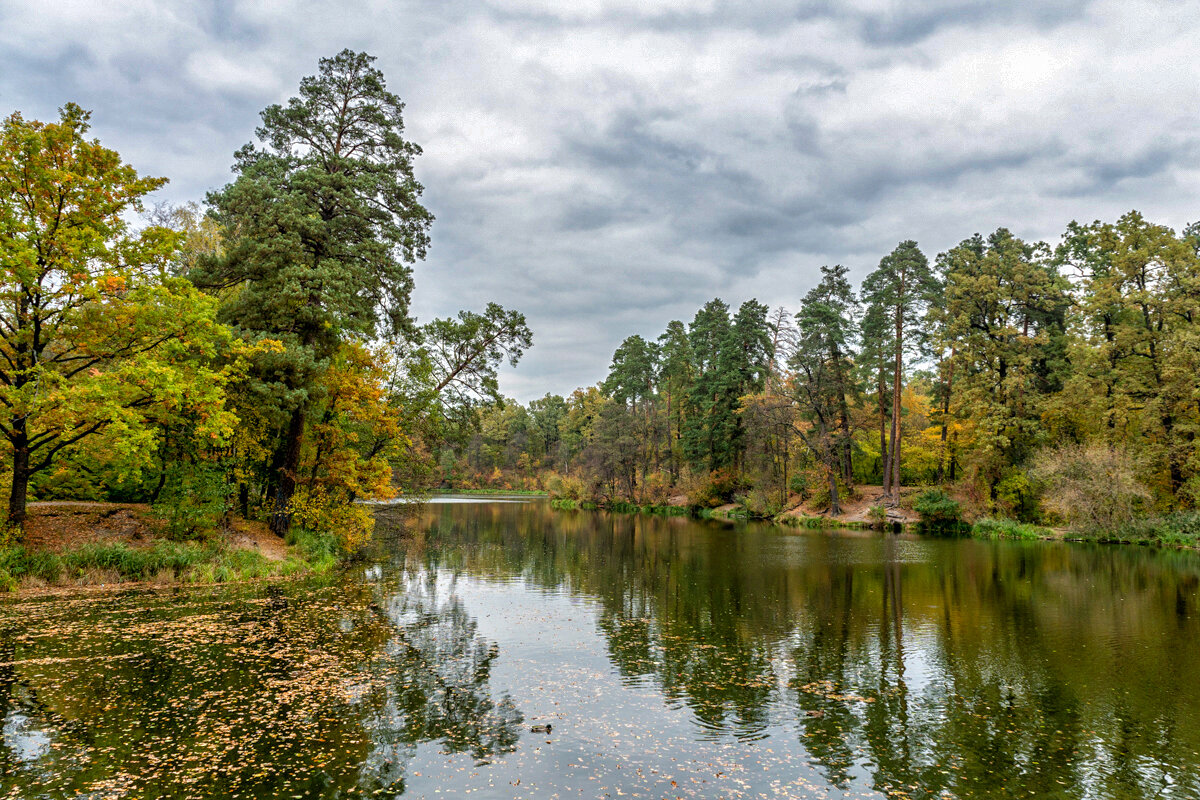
x=95, y=331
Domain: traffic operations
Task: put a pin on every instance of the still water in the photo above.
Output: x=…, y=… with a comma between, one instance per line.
x=671, y=658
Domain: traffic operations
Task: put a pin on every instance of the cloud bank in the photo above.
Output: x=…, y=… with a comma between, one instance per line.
x=609, y=165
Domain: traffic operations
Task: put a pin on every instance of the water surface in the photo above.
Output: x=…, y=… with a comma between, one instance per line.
x=672, y=658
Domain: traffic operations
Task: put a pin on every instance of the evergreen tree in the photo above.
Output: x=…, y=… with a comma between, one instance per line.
x=1006, y=307
x=821, y=366
x=323, y=223
x=901, y=285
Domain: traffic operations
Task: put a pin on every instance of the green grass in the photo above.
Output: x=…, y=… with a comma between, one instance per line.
x=989, y=528
x=1179, y=529
x=321, y=552
x=187, y=562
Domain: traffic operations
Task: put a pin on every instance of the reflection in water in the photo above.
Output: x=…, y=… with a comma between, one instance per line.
x=313, y=691
x=676, y=659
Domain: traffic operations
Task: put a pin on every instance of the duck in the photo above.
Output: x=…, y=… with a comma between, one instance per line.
x=541, y=728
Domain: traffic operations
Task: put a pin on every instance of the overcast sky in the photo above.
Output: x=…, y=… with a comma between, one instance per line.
x=609, y=165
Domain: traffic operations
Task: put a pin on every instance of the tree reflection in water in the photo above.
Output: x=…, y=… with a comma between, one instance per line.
x=303, y=691
x=932, y=667
x=875, y=664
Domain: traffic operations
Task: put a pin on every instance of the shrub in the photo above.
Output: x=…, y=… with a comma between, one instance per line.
x=1093, y=487
x=194, y=499
x=717, y=490
x=1181, y=528
x=989, y=528
x=1015, y=496
x=937, y=508
x=877, y=516
x=760, y=503
x=350, y=524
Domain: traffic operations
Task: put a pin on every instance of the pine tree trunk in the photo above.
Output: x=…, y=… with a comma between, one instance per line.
x=884, y=453
x=281, y=516
x=941, y=470
x=893, y=493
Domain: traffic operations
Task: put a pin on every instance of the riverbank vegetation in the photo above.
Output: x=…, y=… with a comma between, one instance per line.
x=253, y=358
x=1027, y=385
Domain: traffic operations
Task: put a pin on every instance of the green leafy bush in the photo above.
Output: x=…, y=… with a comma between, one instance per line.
x=194, y=499
x=937, y=508
x=989, y=528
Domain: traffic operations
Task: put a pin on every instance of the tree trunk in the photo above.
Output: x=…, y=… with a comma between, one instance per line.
x=893, y=492
x=884, y=453
x=847, y=464
x=281, y=517
x=835, y=508
x=941, y=470
x=244, y=500
x=20, y=475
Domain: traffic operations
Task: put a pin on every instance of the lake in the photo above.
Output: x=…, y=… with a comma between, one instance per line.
x=671, y=658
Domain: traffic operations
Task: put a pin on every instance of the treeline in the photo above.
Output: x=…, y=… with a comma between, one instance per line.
x=1047, y=384
x=255, y=355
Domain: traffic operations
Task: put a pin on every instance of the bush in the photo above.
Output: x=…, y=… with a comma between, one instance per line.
x=1179, y=529
x=1016, y=497
x=877, y=516
x=759, y=503
x=567, y=488
x=194, y=499
x=1093, y=487
x=937, y=508
x=717, y=490
x=349, y=524
x=989, y=528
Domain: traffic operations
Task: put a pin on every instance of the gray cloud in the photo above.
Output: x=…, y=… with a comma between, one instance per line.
x=608, y=165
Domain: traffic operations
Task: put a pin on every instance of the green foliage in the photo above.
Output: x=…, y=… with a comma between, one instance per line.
x=761, y=504
x=937, y=508
x=1181, y=529
x=99, y=336
x=322, y=550
x=877, y=515
x=194, y=499
x=989, y=528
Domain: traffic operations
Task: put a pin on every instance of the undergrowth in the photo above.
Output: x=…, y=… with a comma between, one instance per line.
x=186, y=562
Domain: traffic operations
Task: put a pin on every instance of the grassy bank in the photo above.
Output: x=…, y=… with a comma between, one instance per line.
x=1177, y=530
x=515, y=492
x=699, y=512
x=161, y=562
x=101, y=544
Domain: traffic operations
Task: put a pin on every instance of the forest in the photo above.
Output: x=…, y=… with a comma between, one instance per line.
x=253, y=355
x=1014, y=380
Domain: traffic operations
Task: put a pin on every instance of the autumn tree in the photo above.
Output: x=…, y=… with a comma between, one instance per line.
x=94, y=330
x=1006, y=307
x=323, y=224
x=1138, y=299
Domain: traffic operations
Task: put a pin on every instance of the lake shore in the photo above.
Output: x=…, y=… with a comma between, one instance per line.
x=86, y=544
x=1176, y=531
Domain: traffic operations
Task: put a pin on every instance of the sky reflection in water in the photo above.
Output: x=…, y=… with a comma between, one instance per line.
x=673, y=659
